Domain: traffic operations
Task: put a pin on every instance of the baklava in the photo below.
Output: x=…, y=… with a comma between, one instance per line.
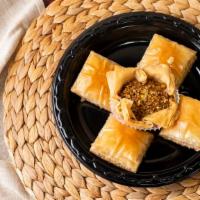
x=141, y=101
x=162, y=51
x=186, y=130
x=120, y=145
x=91, y=83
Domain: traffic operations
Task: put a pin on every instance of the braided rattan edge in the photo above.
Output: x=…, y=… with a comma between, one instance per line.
x=44, y=164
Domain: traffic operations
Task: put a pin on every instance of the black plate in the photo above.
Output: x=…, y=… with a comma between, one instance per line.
x=123, y=38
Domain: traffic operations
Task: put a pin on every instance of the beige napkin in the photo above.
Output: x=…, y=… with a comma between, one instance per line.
x=15, y=17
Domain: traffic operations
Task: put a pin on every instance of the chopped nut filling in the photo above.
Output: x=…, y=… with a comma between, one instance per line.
x=147, y=97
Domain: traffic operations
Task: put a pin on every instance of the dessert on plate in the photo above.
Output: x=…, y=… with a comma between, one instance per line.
x=144, y=97
x=120, y=145
x=186, y=130
x=142, y=101
x=162, y=51
x=91, y=83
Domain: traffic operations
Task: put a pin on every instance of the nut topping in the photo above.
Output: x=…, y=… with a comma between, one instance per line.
x=148, y=97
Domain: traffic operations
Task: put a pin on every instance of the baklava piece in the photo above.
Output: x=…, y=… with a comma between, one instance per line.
x=162, y=51
x=141, y=101
x=186, y=130
x=120, y=145
x=91, y=83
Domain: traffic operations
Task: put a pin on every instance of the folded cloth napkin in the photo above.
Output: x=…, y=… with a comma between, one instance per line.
x=15, y=17
x=10, y=186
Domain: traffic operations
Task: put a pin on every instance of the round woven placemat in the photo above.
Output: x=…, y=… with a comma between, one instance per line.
x=45, y=165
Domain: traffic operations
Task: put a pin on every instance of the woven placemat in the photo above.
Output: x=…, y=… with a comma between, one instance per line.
x=46, y=167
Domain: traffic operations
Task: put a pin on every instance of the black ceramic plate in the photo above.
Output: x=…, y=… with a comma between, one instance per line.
x=123, y=38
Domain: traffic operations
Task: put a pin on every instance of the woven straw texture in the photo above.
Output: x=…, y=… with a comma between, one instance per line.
x=46, y=167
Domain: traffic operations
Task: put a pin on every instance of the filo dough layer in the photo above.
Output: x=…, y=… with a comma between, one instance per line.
x=121, y=145
x=186, y=130
x=91, y=83
x=162, y=51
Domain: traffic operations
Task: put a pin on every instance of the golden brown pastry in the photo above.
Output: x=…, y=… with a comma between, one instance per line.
x=125, y=109
x=186, y=130
x=162, y=51
x=121, y=145
x=91, y=83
